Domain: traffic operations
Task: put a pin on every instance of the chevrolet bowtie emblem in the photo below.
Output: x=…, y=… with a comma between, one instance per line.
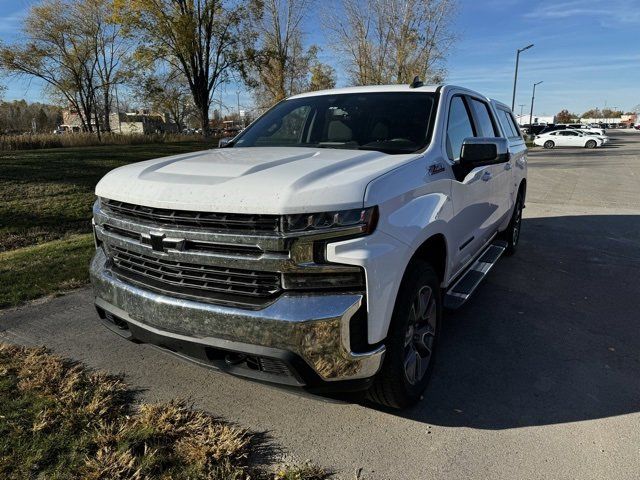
x=157, y=241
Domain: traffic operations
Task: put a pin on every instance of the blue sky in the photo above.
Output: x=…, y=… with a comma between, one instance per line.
x=586, y=53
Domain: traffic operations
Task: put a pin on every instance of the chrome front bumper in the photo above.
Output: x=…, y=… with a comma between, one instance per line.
x=314, y=328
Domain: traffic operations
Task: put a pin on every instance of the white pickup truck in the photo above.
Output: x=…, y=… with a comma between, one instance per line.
x=319, y=248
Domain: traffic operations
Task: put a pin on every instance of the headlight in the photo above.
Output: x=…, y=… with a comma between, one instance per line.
x=365, y=218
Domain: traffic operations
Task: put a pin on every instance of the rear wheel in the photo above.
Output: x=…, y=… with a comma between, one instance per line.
x=591, y=144
x=512, y=234
x=549, y=144
x=413, y=335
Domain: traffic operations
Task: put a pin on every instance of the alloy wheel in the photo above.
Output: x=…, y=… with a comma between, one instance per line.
x=515, y=235
x=420, y=335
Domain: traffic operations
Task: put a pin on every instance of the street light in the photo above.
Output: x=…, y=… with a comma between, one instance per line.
x=533, y=97
x=515, y=78
x=238, y=93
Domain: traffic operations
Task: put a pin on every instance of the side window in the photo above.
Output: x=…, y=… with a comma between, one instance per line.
x=486, y=127
x=507, y=123
x=514, y=124
x=459, y=127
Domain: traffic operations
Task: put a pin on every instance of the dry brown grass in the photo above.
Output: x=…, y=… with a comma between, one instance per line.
x=59, y=419
x=43, y=140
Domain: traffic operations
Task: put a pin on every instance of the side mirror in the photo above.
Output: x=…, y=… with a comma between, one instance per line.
x=479, y=151
x=223, y=142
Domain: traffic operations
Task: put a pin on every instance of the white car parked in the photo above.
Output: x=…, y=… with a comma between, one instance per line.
x=568, y=138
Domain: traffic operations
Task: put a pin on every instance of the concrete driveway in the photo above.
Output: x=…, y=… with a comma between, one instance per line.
x=538, y=377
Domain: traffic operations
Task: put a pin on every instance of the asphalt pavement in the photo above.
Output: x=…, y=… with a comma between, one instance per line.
x=538, y=377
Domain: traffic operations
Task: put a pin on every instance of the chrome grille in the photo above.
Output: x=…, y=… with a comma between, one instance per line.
x=193, y=279
x=190, y=245
x=185, y=218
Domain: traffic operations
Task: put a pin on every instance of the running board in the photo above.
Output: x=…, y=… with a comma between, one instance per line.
x=460, y=292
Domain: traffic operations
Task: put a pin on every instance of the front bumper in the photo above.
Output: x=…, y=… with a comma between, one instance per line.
x=309, y=334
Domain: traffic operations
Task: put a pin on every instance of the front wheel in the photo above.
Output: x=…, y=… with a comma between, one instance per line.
x=412, y=339
x=549, y=144
x=591, y=144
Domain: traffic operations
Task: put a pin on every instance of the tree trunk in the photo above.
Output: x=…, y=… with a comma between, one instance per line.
x=107, y=109
x=98, y=125
x=204, y=119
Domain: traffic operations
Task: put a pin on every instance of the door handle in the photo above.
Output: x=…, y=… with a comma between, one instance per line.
x=486, y=176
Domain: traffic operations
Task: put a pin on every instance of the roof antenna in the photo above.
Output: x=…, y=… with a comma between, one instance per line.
x=416, y=82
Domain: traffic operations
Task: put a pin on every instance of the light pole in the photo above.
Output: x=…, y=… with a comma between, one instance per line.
x=533, y=97
x=238, y=93
x=515, y=78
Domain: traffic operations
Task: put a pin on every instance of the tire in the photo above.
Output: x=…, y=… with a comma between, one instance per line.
x=549, y=144
x=418, y=310
x=512, y=234
x=591, y=144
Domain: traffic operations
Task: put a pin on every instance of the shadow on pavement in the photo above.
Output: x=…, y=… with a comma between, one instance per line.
x=552, y=336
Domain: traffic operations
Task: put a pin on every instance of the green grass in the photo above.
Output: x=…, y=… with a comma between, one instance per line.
x=32, y=272
x=61, y=420
x=47, y=194
x=45, y=213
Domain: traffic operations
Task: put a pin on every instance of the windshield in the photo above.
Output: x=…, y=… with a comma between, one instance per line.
x=389, y=122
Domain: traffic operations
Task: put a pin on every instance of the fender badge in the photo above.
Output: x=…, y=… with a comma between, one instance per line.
x=436, y=168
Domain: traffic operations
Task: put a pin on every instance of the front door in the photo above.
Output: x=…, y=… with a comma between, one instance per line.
x=471, y=192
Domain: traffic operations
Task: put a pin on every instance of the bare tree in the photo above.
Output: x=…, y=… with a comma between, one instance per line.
x=322, y=77
x=391, y=41
x=76, y=48
x=111, y=48
x=280, y=65
x=167, y=92
x=53, y=50
x=203, y=39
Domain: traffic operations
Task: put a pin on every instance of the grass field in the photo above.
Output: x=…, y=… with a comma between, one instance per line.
x=45, y=207
x=60, y=420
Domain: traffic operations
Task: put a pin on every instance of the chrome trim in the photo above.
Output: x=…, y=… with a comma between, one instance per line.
x=314, y=327
x=279, y=253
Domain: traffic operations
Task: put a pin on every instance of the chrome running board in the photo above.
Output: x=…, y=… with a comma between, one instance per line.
x=464, y=287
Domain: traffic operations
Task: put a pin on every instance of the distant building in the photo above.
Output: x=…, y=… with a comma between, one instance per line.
x=615, y=121
x=535, y=119
x=141, y=122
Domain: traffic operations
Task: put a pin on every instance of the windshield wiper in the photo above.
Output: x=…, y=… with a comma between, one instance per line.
x=389, y=150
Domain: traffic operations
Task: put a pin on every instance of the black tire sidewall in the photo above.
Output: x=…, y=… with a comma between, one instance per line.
x=508, y=233
x=419, y=273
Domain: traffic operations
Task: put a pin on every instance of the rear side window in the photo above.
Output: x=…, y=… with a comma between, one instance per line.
x=507, y=123
x=459, y=127
x=484, y=123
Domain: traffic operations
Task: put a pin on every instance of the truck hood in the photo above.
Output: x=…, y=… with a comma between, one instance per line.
x=260, y=180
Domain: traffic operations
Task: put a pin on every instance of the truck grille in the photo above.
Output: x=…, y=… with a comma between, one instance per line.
x=185, y=218
x=193, y=280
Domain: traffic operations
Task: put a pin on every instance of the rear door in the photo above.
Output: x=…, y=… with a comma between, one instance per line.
x=517, y=149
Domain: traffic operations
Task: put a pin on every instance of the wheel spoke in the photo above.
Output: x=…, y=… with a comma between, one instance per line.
x=424, y=299
x=411, y=365
x=420, y=334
